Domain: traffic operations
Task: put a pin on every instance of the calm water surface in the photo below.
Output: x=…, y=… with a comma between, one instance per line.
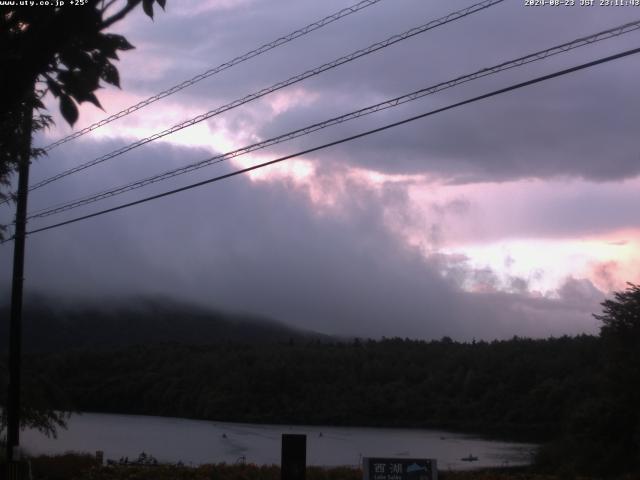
x=197, y=441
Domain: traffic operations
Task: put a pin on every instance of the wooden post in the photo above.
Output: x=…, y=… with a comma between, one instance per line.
x=293, y=464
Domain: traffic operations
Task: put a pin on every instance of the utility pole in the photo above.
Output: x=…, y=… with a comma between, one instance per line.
x=15, y=328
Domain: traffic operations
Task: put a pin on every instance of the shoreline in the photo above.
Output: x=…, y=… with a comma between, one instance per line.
x=497, y=434
x=171, y=439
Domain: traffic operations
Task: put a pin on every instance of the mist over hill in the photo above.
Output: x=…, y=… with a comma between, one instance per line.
x=157, y=357
x=54, y=325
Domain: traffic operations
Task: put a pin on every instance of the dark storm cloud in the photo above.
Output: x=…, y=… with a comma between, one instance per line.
x=263, y=247
x=582, y=126
x=540, y=134
x=579, y=126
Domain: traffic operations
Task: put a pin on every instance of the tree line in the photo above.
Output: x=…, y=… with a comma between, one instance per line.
x=578, y=395
x=518, y=387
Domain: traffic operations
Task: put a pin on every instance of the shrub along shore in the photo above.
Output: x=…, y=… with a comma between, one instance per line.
x=84, y=467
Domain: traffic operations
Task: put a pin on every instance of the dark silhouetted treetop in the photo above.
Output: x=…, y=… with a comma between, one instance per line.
x=621, y=317
x=602, y=433
x=65, y=47
x=63, y=50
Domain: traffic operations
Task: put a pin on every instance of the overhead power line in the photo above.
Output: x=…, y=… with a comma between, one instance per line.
x=215, y=70
x=348, y=139
x=524, y=60
x=277, y=86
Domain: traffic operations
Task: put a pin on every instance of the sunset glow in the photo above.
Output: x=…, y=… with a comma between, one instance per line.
x=526, y=196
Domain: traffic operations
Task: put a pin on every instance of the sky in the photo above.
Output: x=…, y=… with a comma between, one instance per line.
x=509, y=216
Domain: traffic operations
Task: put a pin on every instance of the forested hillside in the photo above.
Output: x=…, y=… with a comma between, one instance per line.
x=578, y=394
x=51, y=325
x=518, y=387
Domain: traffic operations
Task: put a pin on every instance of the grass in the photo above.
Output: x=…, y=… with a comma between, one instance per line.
x=62, y=467
x=72, y=466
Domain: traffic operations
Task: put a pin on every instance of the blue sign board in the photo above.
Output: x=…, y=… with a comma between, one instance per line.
x=400, y=469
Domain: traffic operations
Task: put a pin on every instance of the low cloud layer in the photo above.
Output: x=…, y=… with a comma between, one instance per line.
x=265, y=247
x=369, y=237
x=578, y=126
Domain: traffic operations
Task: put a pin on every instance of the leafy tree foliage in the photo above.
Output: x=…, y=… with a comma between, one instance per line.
x=63, y=50
x=621, y=322
x=14, y=129
x=620, y=334
x=38, y=392
x=520, y=388
x=602, y=433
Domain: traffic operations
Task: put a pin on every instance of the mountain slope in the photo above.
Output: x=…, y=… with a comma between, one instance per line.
x=54, y=326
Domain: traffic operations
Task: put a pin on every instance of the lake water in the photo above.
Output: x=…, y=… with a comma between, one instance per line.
x=195, y=442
